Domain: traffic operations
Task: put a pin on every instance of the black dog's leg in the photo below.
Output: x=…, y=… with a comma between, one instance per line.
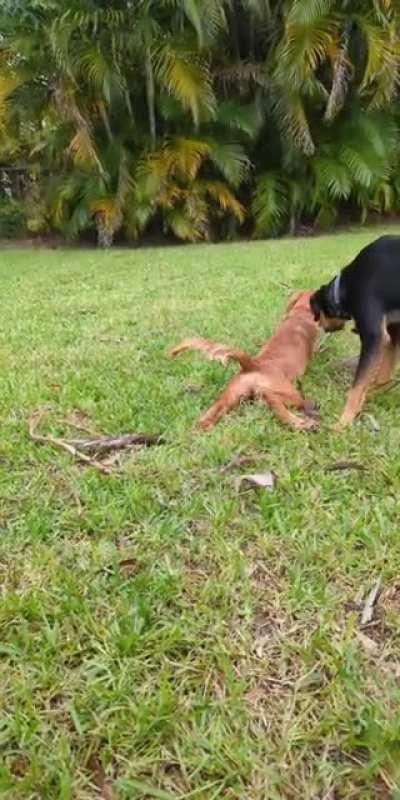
x=390, y=357
x=373, y=339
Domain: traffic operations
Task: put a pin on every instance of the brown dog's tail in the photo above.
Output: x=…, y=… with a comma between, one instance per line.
x=217, y=352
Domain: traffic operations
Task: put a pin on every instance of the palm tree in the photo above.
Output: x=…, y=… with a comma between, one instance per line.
x=189, y=113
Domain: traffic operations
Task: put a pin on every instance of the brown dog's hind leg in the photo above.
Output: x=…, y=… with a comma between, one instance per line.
x=292, y=397
x=240, y=388
x=305, y=404
x=283, y=413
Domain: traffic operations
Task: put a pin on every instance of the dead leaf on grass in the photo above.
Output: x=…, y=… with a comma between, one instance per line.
x=391, y=668
x=112, y=460
x=255, y=696
x=370, y=603
x=20, y=766
x=112, y=339
x=193, y=388
x=261, y=644
x=239, y=461
x=330, y=795
x=368, y=644
x=372, y=423
x=103, y=784
x=128, y=566
x=259, y=480
x=390, y=598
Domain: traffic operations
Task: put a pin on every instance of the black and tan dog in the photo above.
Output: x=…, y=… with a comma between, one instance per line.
x=367, y=291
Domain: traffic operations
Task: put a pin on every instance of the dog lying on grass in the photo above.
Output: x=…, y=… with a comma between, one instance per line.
x=270, y=376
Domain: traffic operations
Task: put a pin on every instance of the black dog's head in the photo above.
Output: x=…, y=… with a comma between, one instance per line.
x=325, y=310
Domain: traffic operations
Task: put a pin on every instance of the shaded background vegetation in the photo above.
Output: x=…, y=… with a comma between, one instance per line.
x=198, y=119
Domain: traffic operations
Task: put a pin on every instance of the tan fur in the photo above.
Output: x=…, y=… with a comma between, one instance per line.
x=375, y=379
x=270, y=375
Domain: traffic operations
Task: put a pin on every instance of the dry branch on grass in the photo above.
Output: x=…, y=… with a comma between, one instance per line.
x=105, y=444
x=340, y=466
x=79, y=448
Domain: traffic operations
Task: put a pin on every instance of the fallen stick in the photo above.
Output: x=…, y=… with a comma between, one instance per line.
x=61, y=443
x=342, y=465
x=78, y=448
x=105, y=444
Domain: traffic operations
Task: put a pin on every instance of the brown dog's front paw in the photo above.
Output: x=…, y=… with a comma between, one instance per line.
x=204, y=424
x=307, y=424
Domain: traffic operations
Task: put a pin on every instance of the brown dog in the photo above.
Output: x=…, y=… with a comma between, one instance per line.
x=270, y=375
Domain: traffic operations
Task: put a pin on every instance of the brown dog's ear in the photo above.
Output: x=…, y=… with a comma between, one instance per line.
x=293, y=300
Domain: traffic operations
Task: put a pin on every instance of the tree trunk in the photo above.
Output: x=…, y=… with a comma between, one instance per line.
x=235, y=31
x=105, y=236
x=150, y=91
x=292, y=224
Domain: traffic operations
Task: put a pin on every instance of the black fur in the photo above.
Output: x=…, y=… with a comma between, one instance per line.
x=369, y=291
x=324, y=300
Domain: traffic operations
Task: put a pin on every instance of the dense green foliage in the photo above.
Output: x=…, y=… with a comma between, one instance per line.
x=200, y=118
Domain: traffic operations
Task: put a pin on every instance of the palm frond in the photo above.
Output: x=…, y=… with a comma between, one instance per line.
x=231, y=161
x=244, y=118
x=292, y=118
x=96, y=68
x=333, y=180
x=61, y=193
x=306, y=44
x=307, y=12
x=383, y=197
x=192, y=10
x=270, y=204
x=383, y=60
x=225, y=199
x=126, y=183
x=8, y=85
x=110, y=211
x=185, y=227
x=185, y=156
x=259, y=9
x=83, y=150
x=340, y=77
x=92, y=19
x=187, y=79
x=242, y=74
x=171, y=195
x=181, y=157
x=358, y=167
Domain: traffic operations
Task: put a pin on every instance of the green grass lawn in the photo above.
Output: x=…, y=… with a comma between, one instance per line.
x=163, y=635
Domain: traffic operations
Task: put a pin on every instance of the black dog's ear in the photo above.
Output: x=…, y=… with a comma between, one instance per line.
x=315, y=306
